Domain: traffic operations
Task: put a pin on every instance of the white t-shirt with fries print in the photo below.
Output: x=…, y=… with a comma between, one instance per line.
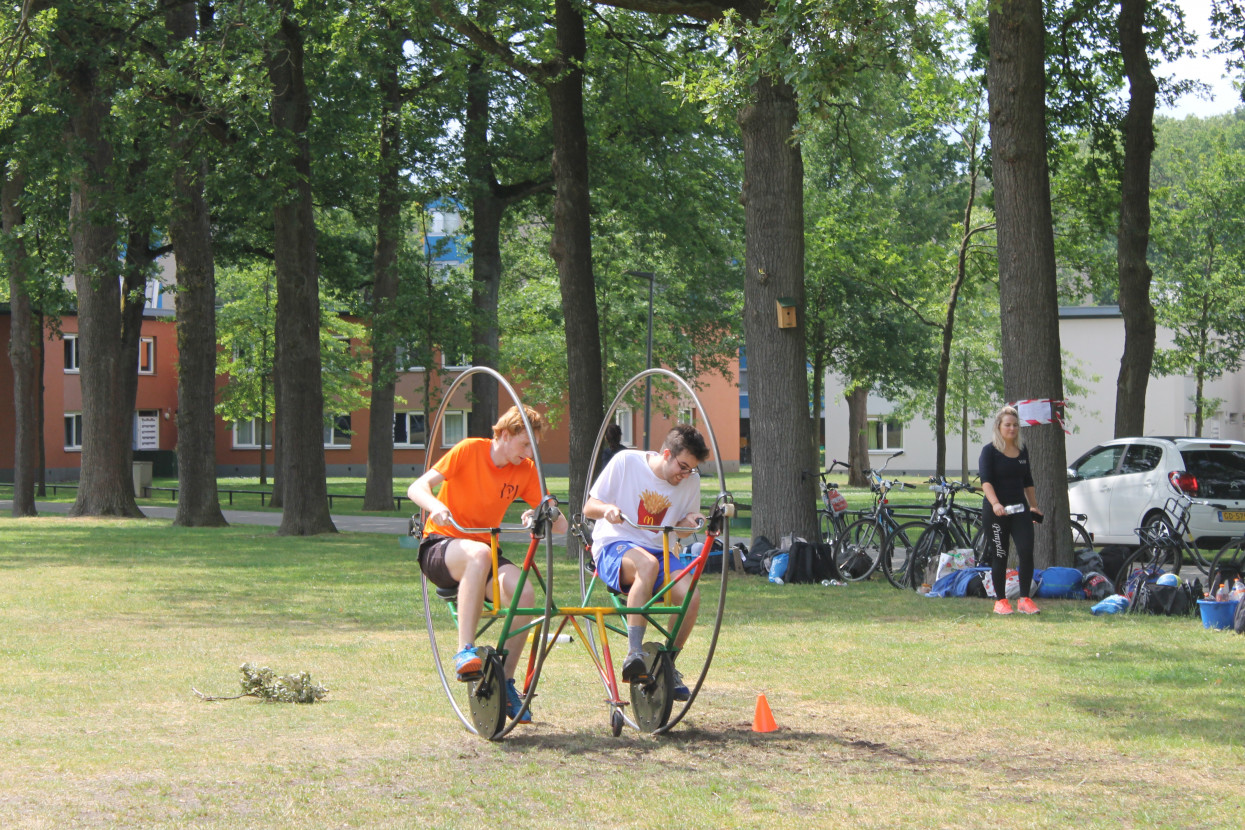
x=643, y=497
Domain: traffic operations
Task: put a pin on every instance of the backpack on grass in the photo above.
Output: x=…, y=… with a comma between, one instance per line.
x=755, y=558
x=811, y=562
x=1164, y=600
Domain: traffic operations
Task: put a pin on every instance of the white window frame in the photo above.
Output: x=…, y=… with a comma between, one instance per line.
x=400, y=359
x=456, y=367
x=459, y=415
x=873, y=422
x=331, y=440
x=626, y=422
x=73, y=421
x=147, y=345
x=72, y=354
x=253, y=423
x=687, y=415
x=410, y=444
x=139, y=416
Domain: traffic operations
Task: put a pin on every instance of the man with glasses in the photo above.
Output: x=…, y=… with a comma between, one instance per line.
x=654, y=489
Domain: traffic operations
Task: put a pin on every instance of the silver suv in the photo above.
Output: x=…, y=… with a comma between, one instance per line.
x=1123, y=484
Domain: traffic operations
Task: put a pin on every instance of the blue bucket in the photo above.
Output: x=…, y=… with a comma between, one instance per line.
x=1217, y=614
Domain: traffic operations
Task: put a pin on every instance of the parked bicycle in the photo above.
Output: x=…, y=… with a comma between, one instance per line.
x=832, y=516
x=861, y=546
x=948, y=528
x=1166, y=543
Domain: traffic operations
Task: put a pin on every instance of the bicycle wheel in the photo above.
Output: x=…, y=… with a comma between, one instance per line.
x=1229, y=563
x=924, y=559
x=829, y=526
x=1082, y=543
x=859, y=549
x=898, y=548
x=1146, y=563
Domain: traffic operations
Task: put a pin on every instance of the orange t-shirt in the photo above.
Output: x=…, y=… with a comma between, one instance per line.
x=477, y=492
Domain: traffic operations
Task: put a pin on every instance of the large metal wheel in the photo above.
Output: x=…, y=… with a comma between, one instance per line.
x=697, y=654
x=486, y=696
x=652, y=698
x=440, y=609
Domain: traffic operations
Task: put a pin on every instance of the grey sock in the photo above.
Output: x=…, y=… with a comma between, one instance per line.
x=635, y=639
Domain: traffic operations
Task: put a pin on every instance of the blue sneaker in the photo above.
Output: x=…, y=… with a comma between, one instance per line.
x=467, y=664
x=681, y=692
x=514, y=703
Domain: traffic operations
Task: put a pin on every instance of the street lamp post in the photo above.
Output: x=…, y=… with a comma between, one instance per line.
x=648, y=362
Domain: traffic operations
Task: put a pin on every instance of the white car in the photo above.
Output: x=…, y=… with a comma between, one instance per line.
x=1124, y=484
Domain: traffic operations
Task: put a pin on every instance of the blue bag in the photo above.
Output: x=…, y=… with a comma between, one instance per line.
x=778, y=567
x=1060, y=583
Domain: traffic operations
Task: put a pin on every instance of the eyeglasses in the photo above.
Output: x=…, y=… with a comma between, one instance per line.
x=685, y=468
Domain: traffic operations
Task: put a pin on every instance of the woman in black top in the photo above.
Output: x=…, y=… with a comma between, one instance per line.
x=1010, y=508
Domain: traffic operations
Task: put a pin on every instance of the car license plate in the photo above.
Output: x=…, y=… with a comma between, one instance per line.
x=1232, y=515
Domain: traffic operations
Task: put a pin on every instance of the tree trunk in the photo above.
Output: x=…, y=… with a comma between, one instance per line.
x=25, y=340
x=300, y=397
x=378, y=491
x=1134, y=230
x=486, y=213
x=1029, y=305
x=571, y=247
x=190, y=231
x=948, y=326
x=857, y=441
x=105, y=480
x=784, y=500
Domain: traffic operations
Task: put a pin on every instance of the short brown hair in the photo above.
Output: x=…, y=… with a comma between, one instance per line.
x=684, y=437
x=512, y=422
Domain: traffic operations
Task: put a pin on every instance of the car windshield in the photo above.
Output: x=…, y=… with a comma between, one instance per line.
x=1220, y=473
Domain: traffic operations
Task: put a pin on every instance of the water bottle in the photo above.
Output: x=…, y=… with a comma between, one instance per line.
x=1222, y=594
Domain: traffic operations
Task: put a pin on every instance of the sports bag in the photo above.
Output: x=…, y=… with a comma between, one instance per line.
x=1164, y=600
x=805, y=563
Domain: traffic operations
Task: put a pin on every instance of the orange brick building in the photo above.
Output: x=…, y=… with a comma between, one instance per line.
x=237, y=445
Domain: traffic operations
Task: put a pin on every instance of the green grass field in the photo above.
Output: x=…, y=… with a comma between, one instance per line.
x=894, y=710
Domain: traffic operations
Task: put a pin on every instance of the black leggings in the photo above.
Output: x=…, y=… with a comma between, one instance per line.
x=1000, y=531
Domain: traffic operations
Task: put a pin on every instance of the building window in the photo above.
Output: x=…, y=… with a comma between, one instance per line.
x=463, y=362
x=453, y=428
x=408, y=429
x=337, y=434
x=247, y=434
x=71, y=353
x=688, y=416
x=405, y=361
x=146, y=355
x=73, y=431
x=625, y=421
x=146, y=430
x=884, y=435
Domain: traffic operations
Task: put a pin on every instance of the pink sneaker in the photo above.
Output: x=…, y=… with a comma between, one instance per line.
x=1002, y=607
x=1028, y=606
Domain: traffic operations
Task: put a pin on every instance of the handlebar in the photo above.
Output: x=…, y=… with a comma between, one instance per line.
x=657, y=528
x=545, y=513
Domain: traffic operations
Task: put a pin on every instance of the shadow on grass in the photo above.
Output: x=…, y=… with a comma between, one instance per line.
x=740, y=743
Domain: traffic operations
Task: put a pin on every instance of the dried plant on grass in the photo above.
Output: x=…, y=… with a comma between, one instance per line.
x=264, y=684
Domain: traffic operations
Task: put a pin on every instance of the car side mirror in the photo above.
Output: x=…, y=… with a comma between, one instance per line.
x=1072, y=476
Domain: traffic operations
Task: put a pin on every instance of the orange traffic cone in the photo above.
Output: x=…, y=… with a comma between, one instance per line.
x=763, y=721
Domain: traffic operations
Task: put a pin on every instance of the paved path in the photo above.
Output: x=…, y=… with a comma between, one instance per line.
x=393, y=526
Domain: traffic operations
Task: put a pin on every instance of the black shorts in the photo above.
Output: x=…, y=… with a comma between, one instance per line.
x=432, y=560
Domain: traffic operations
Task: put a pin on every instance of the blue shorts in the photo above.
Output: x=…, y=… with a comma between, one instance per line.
x=609, y=564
